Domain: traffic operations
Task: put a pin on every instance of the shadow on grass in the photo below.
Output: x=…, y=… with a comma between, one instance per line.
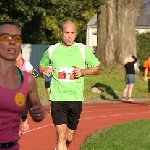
x=108, y=90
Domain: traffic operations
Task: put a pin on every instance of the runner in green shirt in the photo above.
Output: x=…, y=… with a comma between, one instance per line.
x=67, y=82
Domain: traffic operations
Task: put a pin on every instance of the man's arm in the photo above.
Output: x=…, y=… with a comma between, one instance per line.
x=89, y=71
x=145, y=73
x=36, y=109
x=43, y=68
x=45, y=71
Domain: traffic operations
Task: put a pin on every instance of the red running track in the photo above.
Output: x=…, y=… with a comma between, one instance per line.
x=41, y=136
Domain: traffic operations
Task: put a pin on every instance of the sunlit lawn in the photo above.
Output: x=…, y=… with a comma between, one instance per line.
x=127, y=136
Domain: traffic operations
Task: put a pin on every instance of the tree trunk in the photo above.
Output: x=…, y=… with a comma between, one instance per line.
x=116, y=30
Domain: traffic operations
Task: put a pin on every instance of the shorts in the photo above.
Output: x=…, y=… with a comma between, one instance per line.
x=47, y=85
x=66, y=113
x=130, y=78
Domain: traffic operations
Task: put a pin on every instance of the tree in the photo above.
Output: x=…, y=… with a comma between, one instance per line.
x=79, y=11
x=116, y=30
x=28, y=14
x=41, y=19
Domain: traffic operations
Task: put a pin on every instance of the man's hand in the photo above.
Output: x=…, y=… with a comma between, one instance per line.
x=37, y=113
x=78, y=72
x=145, y=79
x=47, y=72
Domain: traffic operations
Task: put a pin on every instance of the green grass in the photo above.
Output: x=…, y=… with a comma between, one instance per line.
x=113, y=80
x=109, y=80
x=41, y=88
x=127, y=136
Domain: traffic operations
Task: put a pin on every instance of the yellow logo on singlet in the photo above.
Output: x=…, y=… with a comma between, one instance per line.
x=20, y=99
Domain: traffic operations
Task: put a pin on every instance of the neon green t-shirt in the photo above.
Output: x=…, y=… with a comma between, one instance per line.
x=64, y=87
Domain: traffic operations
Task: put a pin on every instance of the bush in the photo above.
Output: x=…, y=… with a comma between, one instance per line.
x=143, y=46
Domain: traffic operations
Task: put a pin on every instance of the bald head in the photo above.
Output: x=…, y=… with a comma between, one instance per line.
x=68, y=23
x=68, y=33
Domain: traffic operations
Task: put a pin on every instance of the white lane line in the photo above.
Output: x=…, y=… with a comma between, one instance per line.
x=111, y=105
x=37, y=128
x=114, y=115
x=107, y=110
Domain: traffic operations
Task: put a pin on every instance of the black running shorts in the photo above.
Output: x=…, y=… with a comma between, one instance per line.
x=47, y=85
x=66, y=113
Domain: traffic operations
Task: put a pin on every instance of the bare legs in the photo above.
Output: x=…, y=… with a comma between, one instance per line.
x=64, y=136
x=48, y=92
x=128, y=89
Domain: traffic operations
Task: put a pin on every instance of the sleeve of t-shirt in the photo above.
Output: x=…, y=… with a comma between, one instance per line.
x=90, y=58
x=28, y=66
x=45, y=60
x=145, y=64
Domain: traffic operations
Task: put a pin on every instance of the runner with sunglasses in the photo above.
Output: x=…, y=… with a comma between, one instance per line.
x=17, y=88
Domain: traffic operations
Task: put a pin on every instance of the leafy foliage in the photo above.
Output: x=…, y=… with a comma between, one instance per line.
x=19, y=11
x=143, y=46
x=41, y=19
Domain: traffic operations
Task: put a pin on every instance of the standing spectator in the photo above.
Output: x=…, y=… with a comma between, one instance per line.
x=145, y=63
x=129, y=63
x=147, y=73
x=17, y=88
x=67, y=94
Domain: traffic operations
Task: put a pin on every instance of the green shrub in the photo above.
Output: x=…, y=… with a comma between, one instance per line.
x=143, y=46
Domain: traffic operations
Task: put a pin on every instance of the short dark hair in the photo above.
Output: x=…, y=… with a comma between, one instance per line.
x=10, y=23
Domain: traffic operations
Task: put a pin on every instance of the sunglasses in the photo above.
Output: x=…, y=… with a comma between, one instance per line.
x=7, y=37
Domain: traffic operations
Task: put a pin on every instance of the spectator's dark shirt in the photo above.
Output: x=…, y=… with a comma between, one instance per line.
x=129, y=67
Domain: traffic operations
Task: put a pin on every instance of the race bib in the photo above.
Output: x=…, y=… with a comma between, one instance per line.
x=66, y=74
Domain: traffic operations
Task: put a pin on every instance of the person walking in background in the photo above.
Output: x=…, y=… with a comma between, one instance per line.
x=67, y=94
x=17, y=88
x=48, y=83
x=145, y=63
x=47, y=86
x=24, y=66
x=129, y=63
x=147, y=73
